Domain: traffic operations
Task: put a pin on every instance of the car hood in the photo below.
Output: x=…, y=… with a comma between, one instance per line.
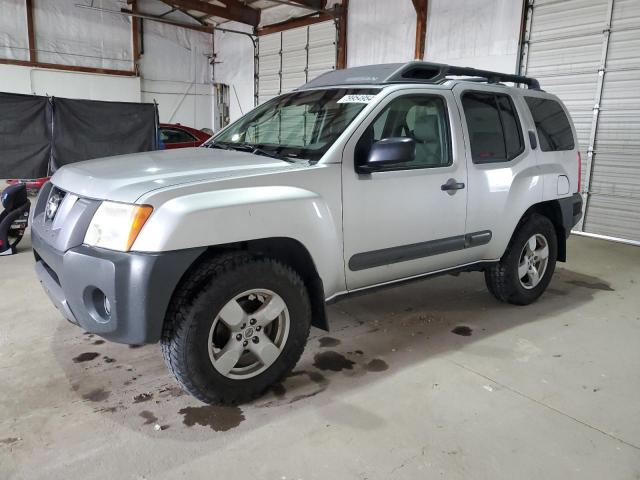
x=125, y=178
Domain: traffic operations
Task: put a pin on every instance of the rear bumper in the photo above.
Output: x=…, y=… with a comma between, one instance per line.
x=137, y=286
x=571, y=208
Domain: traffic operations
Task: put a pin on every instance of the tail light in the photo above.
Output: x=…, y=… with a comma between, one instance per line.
x=579, y=171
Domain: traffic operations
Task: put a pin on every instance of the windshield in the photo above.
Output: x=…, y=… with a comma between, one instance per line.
x=296, y=125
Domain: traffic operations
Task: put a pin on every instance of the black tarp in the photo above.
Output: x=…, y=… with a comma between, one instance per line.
x=25, y=135
x=86, y=129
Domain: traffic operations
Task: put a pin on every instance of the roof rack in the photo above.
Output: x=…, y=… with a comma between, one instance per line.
x=413, y=72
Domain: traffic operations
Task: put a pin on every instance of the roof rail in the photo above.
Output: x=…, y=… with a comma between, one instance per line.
x=413, y=72
x=428, y=72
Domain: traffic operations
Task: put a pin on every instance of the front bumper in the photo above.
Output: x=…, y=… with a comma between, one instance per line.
x=78, y=278
x=138, y=288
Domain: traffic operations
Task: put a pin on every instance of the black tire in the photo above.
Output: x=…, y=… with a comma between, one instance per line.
x=194, y=307
x=502, y=278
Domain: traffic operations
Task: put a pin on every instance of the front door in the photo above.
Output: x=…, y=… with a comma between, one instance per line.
x=408, y=219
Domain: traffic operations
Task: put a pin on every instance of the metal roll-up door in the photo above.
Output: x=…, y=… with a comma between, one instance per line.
x=288, y=59
x=269, y=65
x=586, y=52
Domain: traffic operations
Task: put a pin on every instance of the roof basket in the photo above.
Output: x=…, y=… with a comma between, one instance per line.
x=413, y=72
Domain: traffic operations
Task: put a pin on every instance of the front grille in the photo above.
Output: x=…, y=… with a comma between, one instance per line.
x=56, y=196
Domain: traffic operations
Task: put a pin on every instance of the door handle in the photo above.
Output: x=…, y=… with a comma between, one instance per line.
x=452, y=186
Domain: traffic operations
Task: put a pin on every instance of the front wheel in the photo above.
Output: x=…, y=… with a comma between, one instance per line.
x=235, y=326
x=526, y=268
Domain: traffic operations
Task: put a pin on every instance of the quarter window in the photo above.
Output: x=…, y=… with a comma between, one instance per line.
x=494, y=128
x=420, y=117
x=552, y=124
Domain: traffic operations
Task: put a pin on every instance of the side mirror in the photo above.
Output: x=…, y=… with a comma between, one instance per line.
x=388, y=152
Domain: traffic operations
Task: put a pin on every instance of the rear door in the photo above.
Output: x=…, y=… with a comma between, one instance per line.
x=504, y=176
x=399, y=222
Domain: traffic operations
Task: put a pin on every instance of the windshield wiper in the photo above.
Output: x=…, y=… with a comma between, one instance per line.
x=255, y=149
x=217, y=145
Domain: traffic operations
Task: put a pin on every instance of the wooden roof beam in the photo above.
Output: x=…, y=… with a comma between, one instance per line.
x=233, y=10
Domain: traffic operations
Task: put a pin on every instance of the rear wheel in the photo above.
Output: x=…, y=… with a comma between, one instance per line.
x=235, y=326
x=526, y=268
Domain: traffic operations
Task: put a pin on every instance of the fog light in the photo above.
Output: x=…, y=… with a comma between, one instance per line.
x=107, y=307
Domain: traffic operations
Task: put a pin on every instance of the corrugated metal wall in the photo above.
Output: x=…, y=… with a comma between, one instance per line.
x=289, y=59
x=587, y=52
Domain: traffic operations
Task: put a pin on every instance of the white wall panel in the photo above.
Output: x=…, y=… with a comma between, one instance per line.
x=69, y=35
x=60, y=83
x=473, y=33
x=14, y=43
x=380, y=31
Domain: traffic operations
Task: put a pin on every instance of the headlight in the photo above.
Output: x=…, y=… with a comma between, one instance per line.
x=116, y=225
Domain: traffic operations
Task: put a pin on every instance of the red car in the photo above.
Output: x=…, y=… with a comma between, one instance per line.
x=174, y=135
x=33, y=185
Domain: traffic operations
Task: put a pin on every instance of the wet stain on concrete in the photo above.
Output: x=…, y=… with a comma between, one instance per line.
x=108, y=359
x=297, y=398
x=316, y=377
x=376, y=365
x=332, y=361
x=149, y=417
x=462, y=330
x=97, y=395
x=142, y=397
x=592, y=285
x=86, y=357
x=583, y=280
x=9, y=440
x=329, y=342
x=219, y=419
x=98, y=342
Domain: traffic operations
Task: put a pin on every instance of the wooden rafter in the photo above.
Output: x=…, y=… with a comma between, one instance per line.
x=294, y=23
x=233, y=10
x=135, y=36
x=70, y=68
x=341, y=61
x=33, y=57
x=421, y=7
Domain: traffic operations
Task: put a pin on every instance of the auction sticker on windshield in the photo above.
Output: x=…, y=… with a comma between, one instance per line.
x=356, y=99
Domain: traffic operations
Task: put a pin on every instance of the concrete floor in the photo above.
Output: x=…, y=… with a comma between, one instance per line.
x=546, y=391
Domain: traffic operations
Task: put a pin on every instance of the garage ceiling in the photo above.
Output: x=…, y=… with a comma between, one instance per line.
x=255, y=13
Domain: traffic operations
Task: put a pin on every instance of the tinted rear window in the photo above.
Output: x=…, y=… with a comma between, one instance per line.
x=494, y=128
x=552, y=124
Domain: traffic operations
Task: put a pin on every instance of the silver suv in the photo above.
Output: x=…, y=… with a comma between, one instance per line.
x=362, y=178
